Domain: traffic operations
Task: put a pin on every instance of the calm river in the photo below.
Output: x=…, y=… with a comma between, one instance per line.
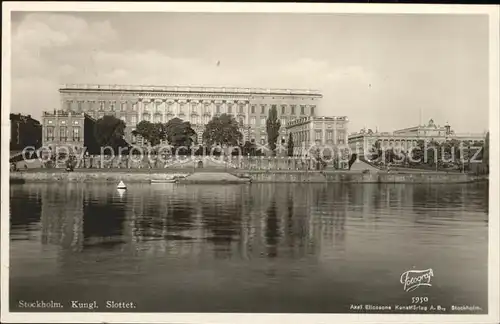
x=292, y=248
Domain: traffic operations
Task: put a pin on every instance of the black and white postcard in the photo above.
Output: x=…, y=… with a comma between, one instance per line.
x=249, y=163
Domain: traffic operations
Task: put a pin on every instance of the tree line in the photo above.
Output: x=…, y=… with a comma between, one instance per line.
x=450, y=154
x=223, y=130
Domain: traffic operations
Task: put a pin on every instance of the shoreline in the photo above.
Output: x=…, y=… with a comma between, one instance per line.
x=255, y=176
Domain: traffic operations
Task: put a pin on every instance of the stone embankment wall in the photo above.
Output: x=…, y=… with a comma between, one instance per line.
x=98, y=177
x=255, y=176
x=362, y=177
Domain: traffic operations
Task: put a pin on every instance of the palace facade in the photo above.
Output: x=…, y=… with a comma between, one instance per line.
x=197, y=105
x=408, y=137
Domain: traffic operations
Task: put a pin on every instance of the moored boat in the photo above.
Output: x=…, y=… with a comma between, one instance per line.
x=163, y=180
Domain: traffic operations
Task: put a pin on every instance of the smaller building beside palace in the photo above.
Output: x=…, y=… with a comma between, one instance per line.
x=318, y=131
x=409, y=137
x=67, y=128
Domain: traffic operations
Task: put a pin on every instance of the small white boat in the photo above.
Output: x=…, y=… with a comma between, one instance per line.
x=163, y=180
x=121, y=185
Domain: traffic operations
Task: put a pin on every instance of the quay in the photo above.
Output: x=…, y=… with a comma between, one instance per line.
x=242, y=176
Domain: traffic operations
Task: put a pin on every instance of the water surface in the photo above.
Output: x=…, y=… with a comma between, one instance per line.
x=294, y=248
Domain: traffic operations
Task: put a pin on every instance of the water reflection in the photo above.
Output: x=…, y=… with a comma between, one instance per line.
x=287, y=217
x=103, y=223
x=272, y=228
x=26, y=207
x=255, y=237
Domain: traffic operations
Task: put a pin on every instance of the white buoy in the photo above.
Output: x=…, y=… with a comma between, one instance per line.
x=121, y=192
x=121, y=185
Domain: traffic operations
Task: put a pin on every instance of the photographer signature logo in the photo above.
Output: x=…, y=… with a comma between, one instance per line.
x=412, y=279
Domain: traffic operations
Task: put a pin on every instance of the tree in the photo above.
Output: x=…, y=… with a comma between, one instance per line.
x=417, y=153
x=465, y=155
x=389, y=155
x=320, y=162
x=248, y=148
x=477, y=148
x=153, y=133
x=109, y=131
x=433, y=151
x=375, y=151
x=179, y=133
x=486, y=152
x=290, y=145
x=273, y=125
x=452, y=151
x=222, y=130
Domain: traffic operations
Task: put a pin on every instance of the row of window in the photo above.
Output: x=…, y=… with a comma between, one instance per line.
x=283, y=109
x=90, y=105
x=329, y=135
x=64, y=133
x=193, y=119
x=159, y=119
x=137, y=139
x=80, y=106
x=123, y=106
x=318, y=136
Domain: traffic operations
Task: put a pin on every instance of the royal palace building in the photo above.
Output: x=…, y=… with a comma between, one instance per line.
x=197, y=105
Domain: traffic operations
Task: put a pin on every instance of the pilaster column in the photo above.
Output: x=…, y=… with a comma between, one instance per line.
x=140, y=110
x=175, y=108
x=169, y=108
x=164, y=110
x=178, y=108
x=220, y=106
x=200, y=108
x=136, y=113
x=247, y=112
x=323, y=133
x=205, y=109
x=143, y=108
x=183, y=108
x=199, y=111
x=152, y=109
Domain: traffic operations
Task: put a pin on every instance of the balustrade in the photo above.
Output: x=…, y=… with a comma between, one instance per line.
x=237, y=162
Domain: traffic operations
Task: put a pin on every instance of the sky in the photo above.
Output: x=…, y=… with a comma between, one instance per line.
x=384, y=72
